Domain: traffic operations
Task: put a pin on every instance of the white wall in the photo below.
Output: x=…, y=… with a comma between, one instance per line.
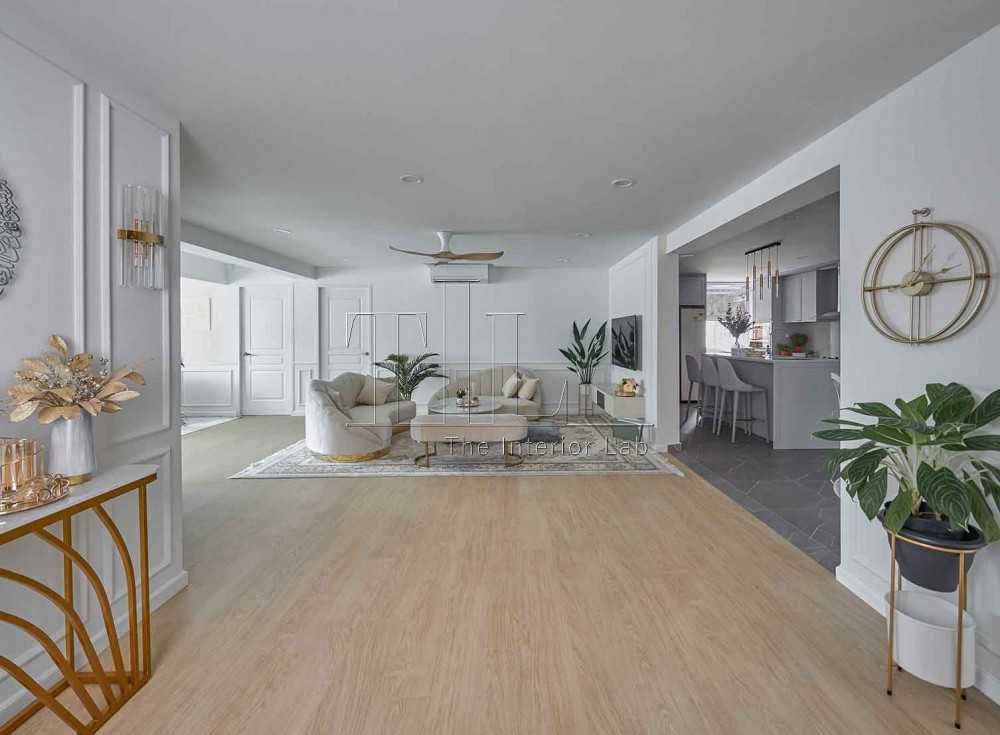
x=74, y=139
x=210, y=346
x=646, y=282
x=932, y=142
x=552, y=298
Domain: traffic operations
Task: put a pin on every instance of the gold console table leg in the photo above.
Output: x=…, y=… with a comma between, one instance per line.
x=117, y=684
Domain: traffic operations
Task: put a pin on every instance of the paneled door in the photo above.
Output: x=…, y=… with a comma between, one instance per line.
x=345, y=349
x=267, y=349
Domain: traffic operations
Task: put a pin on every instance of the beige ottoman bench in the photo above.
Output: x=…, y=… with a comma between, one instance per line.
x=503, y=428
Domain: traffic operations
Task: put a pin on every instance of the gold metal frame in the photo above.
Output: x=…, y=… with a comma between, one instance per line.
x=896, y=583
x=978, y=280
x=119, y=683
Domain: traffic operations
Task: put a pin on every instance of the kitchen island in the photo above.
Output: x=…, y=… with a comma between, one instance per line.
x=799, y=394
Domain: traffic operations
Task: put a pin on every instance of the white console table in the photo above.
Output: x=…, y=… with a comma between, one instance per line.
x=619, y=407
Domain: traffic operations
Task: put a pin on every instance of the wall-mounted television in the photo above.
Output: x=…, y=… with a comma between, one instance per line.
x=626, y=342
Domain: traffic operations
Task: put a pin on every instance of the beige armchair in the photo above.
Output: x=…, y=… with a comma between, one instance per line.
x=489, y=382
x=339, y=429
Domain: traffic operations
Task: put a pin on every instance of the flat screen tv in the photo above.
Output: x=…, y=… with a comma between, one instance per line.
x=626, y=342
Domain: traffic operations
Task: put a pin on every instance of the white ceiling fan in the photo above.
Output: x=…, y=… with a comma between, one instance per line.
x=446, y=254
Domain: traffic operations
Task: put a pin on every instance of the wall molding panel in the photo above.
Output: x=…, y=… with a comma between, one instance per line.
x=75, y=146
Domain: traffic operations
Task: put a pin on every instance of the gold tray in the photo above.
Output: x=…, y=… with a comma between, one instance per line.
x=40, y=491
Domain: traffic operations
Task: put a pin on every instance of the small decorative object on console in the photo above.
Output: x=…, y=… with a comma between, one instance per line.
x=23, y=482
x=627, y=387
x=75, y=389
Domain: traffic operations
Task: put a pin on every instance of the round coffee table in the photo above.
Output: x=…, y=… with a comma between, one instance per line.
x=450, y=406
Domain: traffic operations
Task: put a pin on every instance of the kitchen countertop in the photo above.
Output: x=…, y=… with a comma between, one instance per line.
x=783, y=361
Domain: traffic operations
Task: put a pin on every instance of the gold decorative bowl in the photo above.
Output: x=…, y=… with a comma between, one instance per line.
x=40, y=490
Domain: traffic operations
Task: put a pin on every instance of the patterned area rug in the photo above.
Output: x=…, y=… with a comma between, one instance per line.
x=585, y=446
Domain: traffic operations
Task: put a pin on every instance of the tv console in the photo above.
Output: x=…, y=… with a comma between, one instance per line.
x=619, y=407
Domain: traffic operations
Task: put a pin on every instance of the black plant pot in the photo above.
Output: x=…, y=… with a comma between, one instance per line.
x=934, y=570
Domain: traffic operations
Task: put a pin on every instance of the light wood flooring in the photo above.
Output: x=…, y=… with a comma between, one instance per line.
x=503, y=605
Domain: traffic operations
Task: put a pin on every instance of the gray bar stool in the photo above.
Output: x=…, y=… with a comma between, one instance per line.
x=709, y=380
x=694, y=378
x=729, y=382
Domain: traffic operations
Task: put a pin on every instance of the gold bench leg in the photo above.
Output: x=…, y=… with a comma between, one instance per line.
x=424, y=460
x=509, y=458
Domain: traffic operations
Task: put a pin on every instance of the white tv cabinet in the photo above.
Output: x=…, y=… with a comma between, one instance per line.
x=620, y=407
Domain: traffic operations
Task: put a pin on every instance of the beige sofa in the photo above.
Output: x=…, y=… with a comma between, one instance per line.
x=489, y=382
x=339, y=429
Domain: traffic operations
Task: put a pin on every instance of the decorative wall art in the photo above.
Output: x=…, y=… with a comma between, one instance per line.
x=932, y=290
x=10, y=236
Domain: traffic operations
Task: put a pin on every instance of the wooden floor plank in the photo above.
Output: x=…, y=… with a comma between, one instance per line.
x=646, y=604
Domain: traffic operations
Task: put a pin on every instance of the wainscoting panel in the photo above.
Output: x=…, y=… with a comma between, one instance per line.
x=210, y=391
x=304, y=372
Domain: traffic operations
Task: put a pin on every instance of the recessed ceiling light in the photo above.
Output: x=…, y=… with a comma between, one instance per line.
x=282, y=230
x=562, y=260
x=686, y=255
x=411, y=179
x=582, y=234
x=623, y=183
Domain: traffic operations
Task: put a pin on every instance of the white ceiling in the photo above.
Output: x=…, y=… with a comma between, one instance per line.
x=518, y=114
x=809, y=236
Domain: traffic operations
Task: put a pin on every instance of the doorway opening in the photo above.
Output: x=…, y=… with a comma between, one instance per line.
x=760, y=387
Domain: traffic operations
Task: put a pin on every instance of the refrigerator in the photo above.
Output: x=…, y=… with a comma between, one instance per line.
x=692, y=343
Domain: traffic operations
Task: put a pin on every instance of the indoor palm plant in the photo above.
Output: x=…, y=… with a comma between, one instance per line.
x=67, y=391
x=584, y=358
x=933, y=447
x=737, y=321
x=410, y=371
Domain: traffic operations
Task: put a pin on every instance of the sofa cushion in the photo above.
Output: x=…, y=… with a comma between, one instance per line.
x=374, y=392
x=511, y=385
x=529, y=386
x=387, y=414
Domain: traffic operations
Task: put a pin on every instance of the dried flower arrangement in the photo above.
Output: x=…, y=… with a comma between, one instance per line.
x=60, y=386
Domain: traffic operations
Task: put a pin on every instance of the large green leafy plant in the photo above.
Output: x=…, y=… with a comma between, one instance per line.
x=932, y=445
x=583, y=359
x=411, y=371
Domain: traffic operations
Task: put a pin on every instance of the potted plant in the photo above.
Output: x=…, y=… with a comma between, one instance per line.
x=798, y=344
x=932, y=445
x=737, y=321
x=74, y=389
x=583, y=359
x=411, y=371
x=784, y=350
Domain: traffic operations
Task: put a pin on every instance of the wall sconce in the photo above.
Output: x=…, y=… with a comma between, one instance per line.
x=143, y=254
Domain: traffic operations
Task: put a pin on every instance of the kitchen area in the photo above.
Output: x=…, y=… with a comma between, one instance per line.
x=767, y=304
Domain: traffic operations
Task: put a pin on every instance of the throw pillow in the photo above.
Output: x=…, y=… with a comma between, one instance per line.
x=528, y=388
x=375, y=392
x=511, y=385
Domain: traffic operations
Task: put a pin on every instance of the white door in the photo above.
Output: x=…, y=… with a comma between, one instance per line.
x=345, y=341
x=267, y=349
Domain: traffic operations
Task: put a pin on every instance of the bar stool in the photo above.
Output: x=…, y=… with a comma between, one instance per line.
x=730, y=383
x=694, y=378
x=709, y=380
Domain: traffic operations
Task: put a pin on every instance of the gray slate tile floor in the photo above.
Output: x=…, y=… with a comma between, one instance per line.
x=785, y=488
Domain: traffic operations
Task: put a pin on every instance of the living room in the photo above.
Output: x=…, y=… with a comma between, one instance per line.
x=343, y=355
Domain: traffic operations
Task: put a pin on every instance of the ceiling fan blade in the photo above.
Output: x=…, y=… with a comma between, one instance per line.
x=477, y=256
x=414, y=252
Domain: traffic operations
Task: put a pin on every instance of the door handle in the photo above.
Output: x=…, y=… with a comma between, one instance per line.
x=366, y=354
x=249, y=354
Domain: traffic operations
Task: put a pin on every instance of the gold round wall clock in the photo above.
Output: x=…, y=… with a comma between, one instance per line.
x=926, y=281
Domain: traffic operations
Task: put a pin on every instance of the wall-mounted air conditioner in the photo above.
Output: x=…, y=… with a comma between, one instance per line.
x=460, y=273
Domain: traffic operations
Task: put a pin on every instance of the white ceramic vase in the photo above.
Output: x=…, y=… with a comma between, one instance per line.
x=71, y=449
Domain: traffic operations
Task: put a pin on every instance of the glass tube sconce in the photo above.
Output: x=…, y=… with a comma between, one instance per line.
x=143, y=254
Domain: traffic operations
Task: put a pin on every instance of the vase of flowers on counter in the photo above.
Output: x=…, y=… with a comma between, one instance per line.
x=67, y=393
x=737, y=322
